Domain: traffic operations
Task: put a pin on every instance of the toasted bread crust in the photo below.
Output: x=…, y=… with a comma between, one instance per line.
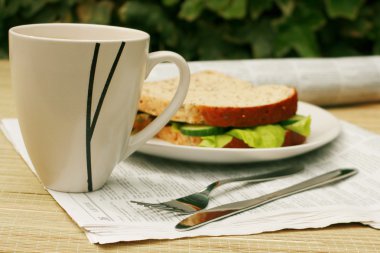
x=250, y=116
x=218, y=100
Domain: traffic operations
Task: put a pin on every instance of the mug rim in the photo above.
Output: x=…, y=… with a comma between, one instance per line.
x=142, y=36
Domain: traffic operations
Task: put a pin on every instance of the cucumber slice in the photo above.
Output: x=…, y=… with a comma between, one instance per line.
x=292, y=120
x=201, y=130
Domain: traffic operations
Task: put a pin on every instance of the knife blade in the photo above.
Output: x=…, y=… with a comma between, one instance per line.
x=220, y=212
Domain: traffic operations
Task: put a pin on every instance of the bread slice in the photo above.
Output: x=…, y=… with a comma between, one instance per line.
x=216, y=99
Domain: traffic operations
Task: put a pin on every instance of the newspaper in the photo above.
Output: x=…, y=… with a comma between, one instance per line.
x=108, y=216
x=329, y=81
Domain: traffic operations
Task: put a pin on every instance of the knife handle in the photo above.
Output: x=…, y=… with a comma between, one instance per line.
x=312, y=183
x=217, y=213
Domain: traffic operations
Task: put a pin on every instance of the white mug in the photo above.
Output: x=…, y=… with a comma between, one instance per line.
x=77, y=88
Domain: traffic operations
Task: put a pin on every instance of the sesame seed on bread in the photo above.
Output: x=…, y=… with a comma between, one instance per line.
x=216, y=99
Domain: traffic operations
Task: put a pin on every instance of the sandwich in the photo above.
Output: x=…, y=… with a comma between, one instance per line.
x=221, y=111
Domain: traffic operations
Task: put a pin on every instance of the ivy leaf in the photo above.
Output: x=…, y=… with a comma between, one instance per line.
x=150, y=18
x=10, y=8
x=53, y=13
x=259, y=35
x=212, y=45
x=348, y=9
x=375, y=35
x=2, y=10
x=376, y=48
x=308, y=15
x=299, y=38
x=342, y=48
x=95, y=12
x=286, y=6
x=297, y=32
x=217, y=5
x=358, y=29
x=237, y=9
x=263, y=39
x=191, y=9
x=31, y=7
x=170, y=2
x=256, y=8
x=228, y=9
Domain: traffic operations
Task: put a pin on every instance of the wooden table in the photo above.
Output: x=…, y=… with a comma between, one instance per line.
x=31, y=221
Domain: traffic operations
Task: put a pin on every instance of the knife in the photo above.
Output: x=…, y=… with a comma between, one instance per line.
x=220, y=212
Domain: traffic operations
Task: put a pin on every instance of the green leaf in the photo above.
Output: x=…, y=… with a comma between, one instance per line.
x=263, y=39
x=31, y=7
x=48, y=15
x=256, y=8
x=358, y=29
x=258, y=34
x=2, y=10
x=348, y=9
x=237, y=9
x=298, y=31
x=376, y=48
x=151, y=18
x=301, y=39
x=95, y=12
x=217, y=5
x=376, y=29
x=308, y=15
x=286, y=6
x=266, y=136
x=191, y=9
x=71, y=2
x=170, y=2
x=102, y=12
x=215, y=141
x=340, y=49
x=228, y=9
x=212, y=44
x=301, y=125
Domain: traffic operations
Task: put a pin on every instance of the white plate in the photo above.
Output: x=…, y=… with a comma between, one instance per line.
x=324, y=128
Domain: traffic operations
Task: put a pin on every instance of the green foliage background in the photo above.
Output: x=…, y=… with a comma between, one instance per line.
x=220, y=29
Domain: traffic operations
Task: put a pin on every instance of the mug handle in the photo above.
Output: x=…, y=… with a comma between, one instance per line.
x=160, y=121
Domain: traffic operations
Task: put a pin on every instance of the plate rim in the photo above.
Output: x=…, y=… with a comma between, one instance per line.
x=308, y=146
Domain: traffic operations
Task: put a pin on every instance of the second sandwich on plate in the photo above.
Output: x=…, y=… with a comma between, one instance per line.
x=221, y=111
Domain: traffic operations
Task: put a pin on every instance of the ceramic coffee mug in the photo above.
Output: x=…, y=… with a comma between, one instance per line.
x=77, y=88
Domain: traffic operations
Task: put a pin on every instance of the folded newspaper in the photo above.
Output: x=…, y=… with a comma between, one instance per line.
x=108, y=216
x=323, y=81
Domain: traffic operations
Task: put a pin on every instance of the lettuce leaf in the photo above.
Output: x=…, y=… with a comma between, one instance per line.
x=267, y=136
x=300, y=126
x=215, y=141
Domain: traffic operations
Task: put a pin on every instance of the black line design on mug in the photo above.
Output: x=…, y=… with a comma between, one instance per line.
x=90, y=125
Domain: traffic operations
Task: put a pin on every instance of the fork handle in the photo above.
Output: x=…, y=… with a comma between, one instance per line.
x=256, y=178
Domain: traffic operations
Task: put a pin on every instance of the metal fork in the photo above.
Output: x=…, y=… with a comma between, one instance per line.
x=199, y=200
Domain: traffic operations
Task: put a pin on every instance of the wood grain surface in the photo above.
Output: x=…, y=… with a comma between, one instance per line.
x=31, y=221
